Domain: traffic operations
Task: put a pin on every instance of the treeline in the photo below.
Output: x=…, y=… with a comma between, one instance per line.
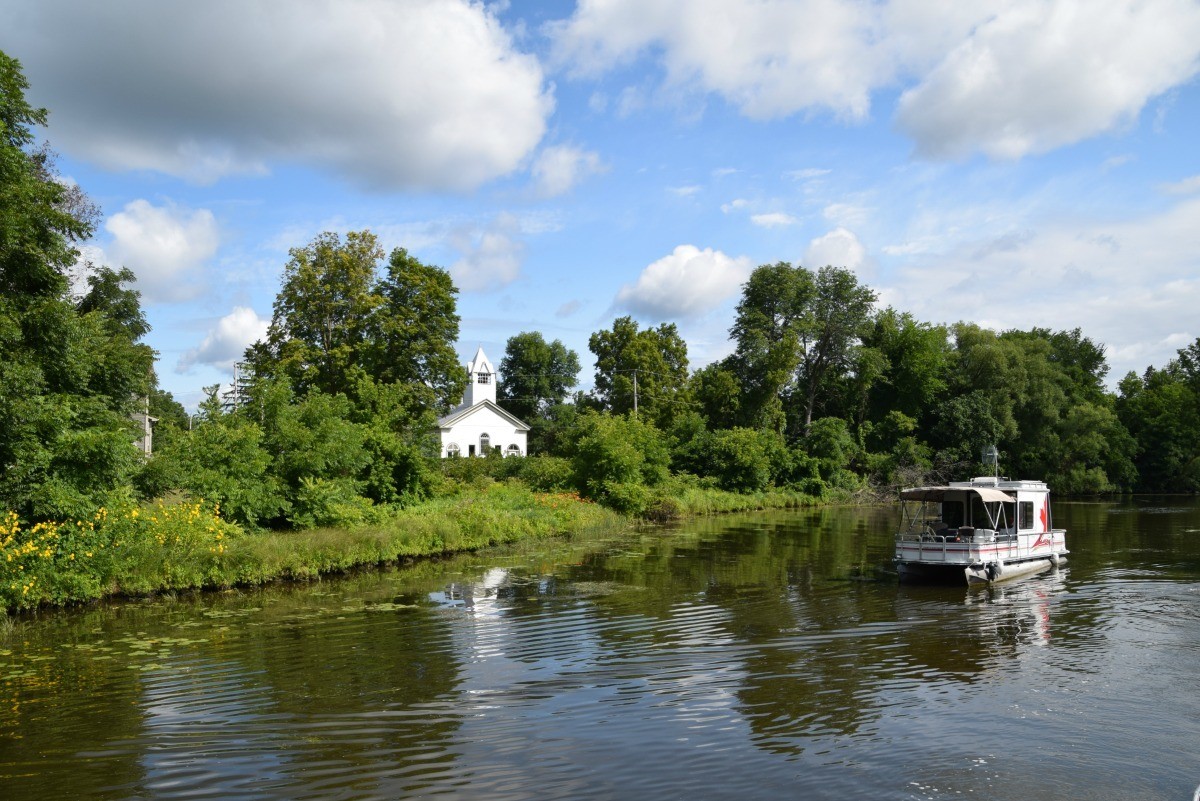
x=822, y=392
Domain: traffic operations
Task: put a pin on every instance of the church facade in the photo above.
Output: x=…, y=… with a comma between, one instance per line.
x=479, y=425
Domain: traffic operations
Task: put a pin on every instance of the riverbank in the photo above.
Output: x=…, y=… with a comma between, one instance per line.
x=138, y=550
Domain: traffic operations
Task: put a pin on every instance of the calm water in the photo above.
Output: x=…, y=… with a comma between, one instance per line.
x=728, y=658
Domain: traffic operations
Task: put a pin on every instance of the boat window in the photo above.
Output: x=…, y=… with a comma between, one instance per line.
x=952, y=513
x=1025, y=510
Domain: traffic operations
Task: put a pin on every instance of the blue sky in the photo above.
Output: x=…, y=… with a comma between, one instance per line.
x=1014, y=163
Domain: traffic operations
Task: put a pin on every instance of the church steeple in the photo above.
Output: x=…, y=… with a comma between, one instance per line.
x=481, y=380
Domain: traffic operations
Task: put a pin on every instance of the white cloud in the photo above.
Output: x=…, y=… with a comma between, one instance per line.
x=1040, y=75
x=1133, y=286
x=1185, y=187
x=420, y=94
x=807, y=174
x=769, y=58
x=735, y=205
x=558, y=169
x=227, y=342
x=1005, y=77
x=774, y=219
x=491, y=256
x=838, y=248
x=845, y=214
x=687, y=283
x=164, y=246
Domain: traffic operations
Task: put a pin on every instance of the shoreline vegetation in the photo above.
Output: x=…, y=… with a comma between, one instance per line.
x=142, y=550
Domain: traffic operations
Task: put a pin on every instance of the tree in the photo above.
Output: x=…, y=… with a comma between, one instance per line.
x=766, y=330
x=335, y=321
x=69, y=373
x=917, y=356
x=321, y=313
x=830, y=329
x=718, y=393
x=652, y=361
x=413, y=330
x=1161, y=410
x=537, y=374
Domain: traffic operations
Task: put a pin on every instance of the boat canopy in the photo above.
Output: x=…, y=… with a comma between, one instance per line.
x=937, y=494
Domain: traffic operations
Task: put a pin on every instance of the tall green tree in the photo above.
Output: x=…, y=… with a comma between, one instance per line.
x=70, y=371
x=1161, y=410
x=413, y=330
x=916, y=360
x=536, y=374
x=830, y=330
x=336, y=319
x=767, y=332
x=647, y=367
x=322, y=312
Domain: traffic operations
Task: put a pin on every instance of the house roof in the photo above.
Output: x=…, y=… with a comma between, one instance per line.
x=458, y=415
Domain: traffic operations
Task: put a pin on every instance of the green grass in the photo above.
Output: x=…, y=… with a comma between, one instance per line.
x=146, y=549
x=143, y=550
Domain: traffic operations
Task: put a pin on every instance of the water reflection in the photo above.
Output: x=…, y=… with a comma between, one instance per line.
x=733, y=657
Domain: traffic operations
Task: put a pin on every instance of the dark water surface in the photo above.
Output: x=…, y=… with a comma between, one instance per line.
x=725, y=658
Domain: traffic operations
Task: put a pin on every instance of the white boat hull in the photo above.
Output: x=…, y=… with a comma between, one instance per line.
x=937, y=559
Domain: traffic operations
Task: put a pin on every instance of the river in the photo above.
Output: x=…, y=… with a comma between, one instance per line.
x=738, y=657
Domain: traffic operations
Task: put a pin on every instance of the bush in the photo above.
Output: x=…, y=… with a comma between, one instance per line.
x=613, y=454
x=325, y=503
x=546, y=473
x=629, y=497
x=739, y=460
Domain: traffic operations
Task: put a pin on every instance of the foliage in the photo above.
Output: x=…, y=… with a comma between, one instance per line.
x=1161, y=411
x=413, y=331
x=70, y=370
x=334, y=322
x=652, y=361
x=536, y=375
x=120, y=548
x=615, y=455
x=223, y=459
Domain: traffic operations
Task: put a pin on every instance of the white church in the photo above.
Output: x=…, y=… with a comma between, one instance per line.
x=478, y=425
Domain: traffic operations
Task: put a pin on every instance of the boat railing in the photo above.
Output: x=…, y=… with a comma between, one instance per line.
x=935, y=545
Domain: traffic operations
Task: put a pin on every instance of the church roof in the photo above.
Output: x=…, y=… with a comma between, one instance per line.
x=480, y=361
x=464, y=412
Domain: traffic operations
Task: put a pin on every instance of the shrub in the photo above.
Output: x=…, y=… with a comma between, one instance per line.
x=613, y=453
x=546, y=473
x=321, y=502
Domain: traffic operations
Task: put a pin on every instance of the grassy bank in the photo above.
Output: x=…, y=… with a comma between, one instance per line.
x=137, y=549
x=141, y=550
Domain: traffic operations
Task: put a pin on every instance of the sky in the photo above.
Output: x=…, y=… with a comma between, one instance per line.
x=1011, y=163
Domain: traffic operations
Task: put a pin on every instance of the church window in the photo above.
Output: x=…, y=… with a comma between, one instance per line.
x=452, y=449
x=483, y=378
x=484, y=443
x=514, y=450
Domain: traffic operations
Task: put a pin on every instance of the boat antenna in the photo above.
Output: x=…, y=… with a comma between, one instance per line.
x=992, y=456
